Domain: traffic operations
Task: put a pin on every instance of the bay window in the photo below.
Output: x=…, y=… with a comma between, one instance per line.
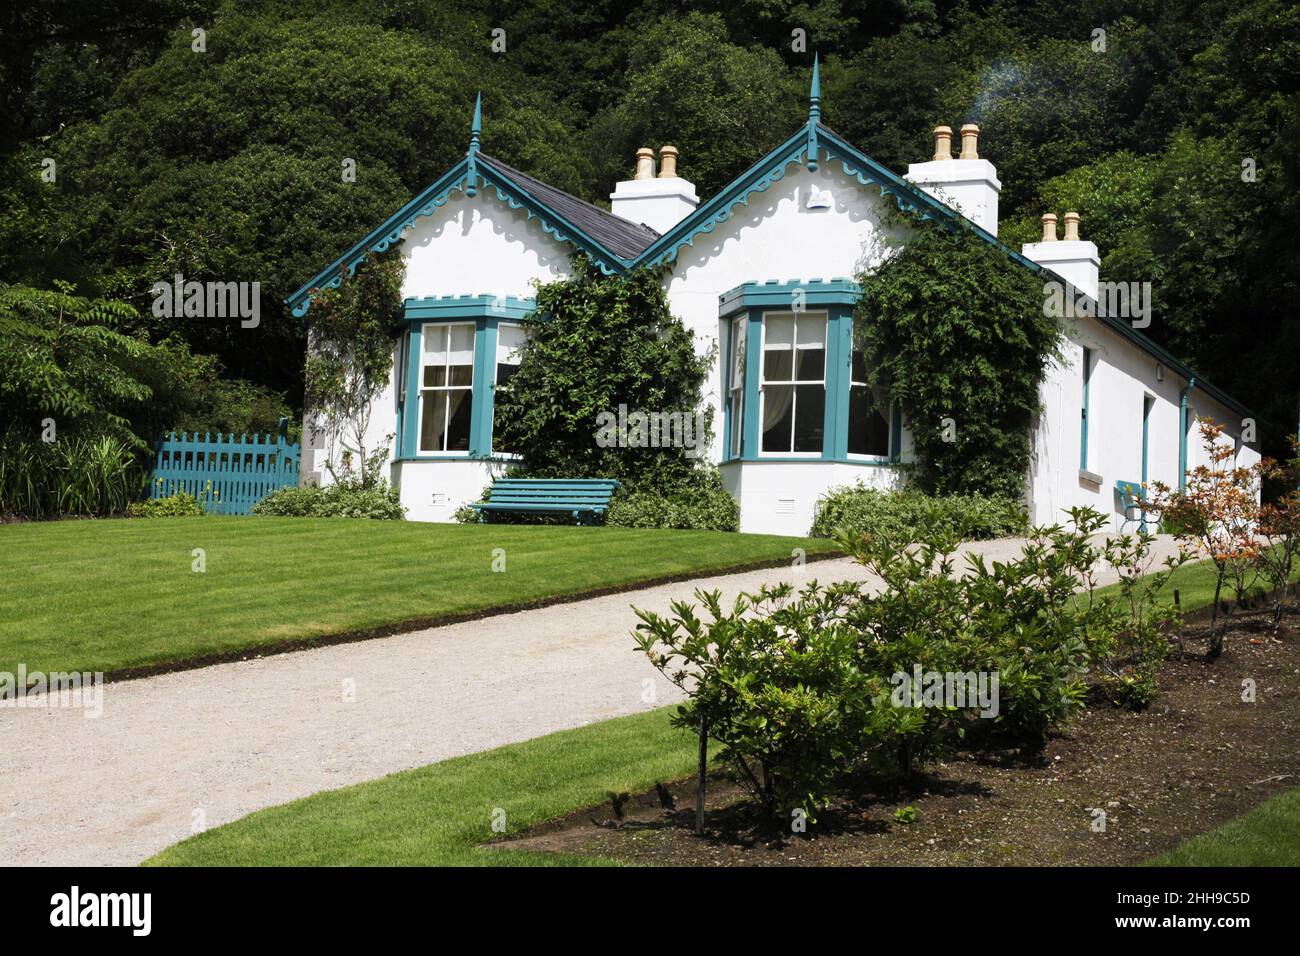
x=796, y=384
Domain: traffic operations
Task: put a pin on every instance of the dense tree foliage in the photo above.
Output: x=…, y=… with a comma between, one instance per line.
x=226, y=164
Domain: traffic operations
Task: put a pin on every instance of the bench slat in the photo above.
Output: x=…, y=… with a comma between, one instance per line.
x=579, y=496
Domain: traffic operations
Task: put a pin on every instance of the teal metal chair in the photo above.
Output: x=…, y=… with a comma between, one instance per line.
x=1134, y=504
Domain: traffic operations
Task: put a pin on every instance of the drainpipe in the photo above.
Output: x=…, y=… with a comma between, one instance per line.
x=1182, y=434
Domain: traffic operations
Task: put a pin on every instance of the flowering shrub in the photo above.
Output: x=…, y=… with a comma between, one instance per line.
x=1218, y=512
x=1279, y=526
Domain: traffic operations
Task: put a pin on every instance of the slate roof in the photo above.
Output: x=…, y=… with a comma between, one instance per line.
x=618, y=235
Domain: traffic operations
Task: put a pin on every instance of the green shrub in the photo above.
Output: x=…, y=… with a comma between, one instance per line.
x=344, y=499
x=900, y=514
x=808, y=691
x=776, y=682
x=698, y=502
x=180, y=505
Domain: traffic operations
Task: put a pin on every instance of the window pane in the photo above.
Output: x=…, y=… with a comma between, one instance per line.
x=778, y=415
x=435, y=345
x=812, y=331
x=868, y=429
x=433, y=420
x=435, y=376
x=462, y=344
x=778, y=365
x=738, y=353
x=778, y=331
x=460, y=402
x=504, y=373
x=859, y=367
x=809, y=420
x=812, y=365
x=510, y=340
x=462, y=375
x=737, y=422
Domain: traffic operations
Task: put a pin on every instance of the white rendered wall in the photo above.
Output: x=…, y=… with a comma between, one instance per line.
x=1122, y=376
x=469, y=246
x=780, y=497
x=776, y=237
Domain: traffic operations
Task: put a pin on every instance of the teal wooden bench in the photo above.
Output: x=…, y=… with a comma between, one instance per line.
x=583, y=498
x=1133, y=501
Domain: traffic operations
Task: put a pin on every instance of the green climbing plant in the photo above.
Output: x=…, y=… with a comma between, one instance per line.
x=955, y=330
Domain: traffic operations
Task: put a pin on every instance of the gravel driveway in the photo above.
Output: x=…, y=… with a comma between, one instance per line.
x=176, y=753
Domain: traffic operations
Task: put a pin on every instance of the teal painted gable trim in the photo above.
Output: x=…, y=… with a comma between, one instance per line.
x=451, y=308
x=466, y=176
x=774, y=294
x=409, y=411
x=379, y=240
x=906, y=195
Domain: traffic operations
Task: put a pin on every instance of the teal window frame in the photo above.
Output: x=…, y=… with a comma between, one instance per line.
x=1083, y=412
x=1148, y=403
x=486, y=313
x=835, y=298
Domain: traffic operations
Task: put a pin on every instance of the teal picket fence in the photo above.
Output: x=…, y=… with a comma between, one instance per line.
x=230, y=473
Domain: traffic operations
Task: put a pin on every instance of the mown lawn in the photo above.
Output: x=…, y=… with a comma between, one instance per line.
x=111, y=595
x=1269, y=835
x=441, y=814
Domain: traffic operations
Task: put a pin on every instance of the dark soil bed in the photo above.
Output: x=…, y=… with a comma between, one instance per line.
x=1198, y=757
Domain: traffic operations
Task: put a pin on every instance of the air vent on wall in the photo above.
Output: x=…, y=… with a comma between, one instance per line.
x=785, y=506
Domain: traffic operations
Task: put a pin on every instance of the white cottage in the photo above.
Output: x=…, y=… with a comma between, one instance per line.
x=762, y=267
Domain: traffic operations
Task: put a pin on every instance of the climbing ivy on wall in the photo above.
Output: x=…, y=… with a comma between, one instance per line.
x=351, y=335
x=598, y=343
x=955, y=329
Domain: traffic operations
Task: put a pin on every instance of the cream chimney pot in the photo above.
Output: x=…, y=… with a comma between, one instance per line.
x=667, y=162
x=659, y=202
x=942, y=142
x=970, y=136
x=1049, y=227
x=645, y=163
x=1071, y=227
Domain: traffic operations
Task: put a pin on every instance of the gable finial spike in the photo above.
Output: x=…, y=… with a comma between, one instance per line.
x=815, y=94
x=814, y=112
x=475, y=135
x=476, y=126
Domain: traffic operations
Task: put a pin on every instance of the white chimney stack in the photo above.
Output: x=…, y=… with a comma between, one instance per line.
x=968, y=184
x=658, y=201
x=1073, y=259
